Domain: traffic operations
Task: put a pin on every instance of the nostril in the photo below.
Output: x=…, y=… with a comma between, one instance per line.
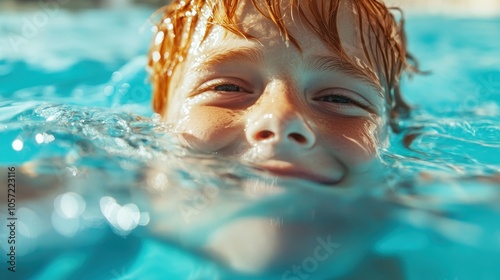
x=265, y=134
x=297, y=137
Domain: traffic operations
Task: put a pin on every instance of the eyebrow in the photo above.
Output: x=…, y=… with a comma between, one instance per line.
x=240, y=54
x=335, y=64
x=318, y=62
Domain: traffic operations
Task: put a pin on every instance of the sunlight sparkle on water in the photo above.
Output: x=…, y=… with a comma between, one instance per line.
x=69, y=205
x=17, y=145
x=39, y=138
x=123, y=218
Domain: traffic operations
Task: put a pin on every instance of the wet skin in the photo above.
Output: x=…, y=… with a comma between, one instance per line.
x=290, y=112
x=299, y=115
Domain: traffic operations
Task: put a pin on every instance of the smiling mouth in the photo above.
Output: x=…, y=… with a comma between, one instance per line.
x=286, y=169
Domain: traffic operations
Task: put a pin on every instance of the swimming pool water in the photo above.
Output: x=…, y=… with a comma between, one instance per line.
x=93, y=161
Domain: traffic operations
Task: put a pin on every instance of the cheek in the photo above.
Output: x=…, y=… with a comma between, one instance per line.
x=352, y=139
x=208, y=129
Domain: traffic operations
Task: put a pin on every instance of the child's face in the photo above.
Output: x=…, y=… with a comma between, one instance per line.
x=293, y=113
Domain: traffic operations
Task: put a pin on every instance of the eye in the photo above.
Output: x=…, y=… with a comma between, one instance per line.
x=342, y=100
x=337, y=99
x=226, y=92
x=228, y=88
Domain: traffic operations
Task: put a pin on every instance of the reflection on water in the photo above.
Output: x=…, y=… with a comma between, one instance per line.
x=93, y=177
x=107, y=194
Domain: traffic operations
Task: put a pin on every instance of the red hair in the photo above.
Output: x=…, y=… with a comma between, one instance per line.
x=382, y=37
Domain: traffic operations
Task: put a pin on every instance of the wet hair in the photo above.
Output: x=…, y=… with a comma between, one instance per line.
x=382, y=38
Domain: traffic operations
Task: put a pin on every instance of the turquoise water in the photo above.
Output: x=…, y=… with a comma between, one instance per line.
x=93, y=162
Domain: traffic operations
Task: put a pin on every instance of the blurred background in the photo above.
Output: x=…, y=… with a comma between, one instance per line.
x=461, y=8
x=451, y=7
x=79, y=4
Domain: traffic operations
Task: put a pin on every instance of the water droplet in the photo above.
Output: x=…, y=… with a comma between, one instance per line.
x=159, y=38
x=116, y=77
x=156, y=56
x=108, y=90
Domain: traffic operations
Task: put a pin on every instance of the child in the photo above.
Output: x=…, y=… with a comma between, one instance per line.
x=300, y=89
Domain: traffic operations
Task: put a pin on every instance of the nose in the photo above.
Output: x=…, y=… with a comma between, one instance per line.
x=278, y=121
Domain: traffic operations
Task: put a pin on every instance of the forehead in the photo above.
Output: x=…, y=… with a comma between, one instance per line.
x=300, y=34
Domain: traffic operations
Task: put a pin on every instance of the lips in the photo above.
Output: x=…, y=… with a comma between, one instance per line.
x=287, y=169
